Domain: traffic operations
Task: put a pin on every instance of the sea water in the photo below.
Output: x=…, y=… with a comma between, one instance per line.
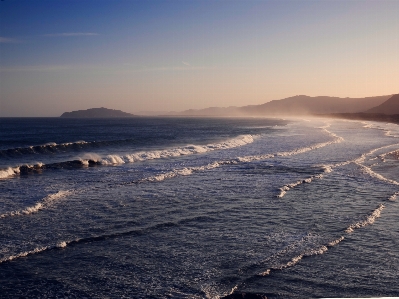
x=198, y=208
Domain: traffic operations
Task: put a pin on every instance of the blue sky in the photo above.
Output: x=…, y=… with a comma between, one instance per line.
x=64, y=55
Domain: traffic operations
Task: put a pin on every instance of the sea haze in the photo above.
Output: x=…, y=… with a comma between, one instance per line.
x=198, y=208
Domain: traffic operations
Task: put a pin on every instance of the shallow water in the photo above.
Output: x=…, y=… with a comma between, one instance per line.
x=198, y=208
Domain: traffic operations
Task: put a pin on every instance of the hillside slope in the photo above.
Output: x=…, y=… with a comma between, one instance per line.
x=390, y=107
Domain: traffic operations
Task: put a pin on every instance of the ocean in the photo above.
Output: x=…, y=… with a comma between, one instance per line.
x=198, y=208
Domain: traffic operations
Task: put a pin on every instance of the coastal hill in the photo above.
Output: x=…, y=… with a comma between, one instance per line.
x=386, y=112
x=294, y=106
x=391, y=106
x=96, y=113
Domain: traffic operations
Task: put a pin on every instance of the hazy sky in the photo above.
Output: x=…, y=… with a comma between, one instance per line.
x=63, y=55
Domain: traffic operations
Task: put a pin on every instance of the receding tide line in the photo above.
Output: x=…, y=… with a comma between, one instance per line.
x=40, y=205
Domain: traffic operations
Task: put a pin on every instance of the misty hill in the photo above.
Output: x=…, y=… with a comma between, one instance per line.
x=391, y=106
x=296, y=105
x=96, y=113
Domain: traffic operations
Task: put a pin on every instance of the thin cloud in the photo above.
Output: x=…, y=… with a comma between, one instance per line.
x=7, y=40
x=69, y=34
x=186, y=63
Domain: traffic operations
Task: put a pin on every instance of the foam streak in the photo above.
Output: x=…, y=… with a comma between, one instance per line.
x=40, y=205
x=370, y=219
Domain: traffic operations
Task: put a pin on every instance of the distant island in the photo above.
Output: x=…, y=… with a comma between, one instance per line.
x=97, y=113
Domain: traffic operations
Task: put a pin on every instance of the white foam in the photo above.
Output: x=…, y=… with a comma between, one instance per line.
x=370, y=172
x=370, y=219
x=59, y=245
x=394, y=154
x=390, y=129
x=40, y=205
x=285, y=188
x=5, y=173
x=23, y=254
x=295, y=260
x=362, y=158
x=310, y=252
x=183, y=171
x=189, y=170
x=336, y=241
x=62, y=244
x=394, y=196
x=337, y=139
x=176, y=152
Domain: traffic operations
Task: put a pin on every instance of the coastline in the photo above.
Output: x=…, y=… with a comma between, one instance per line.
x=393, y=118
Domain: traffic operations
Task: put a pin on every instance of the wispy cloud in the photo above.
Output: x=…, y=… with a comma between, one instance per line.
x=7, y=40
x=186, y=63
x=69, y=34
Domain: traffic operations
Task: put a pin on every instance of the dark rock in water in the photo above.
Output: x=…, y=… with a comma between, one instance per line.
x=245, y=296
x=97, y=113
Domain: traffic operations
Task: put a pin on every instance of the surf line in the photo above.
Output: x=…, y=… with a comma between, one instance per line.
x=321, y=249
x=89, y=239
x=190, y=170
x=369, y=219
x=95, y=160
x=283, y=190
x=42, y=204
x=388, y=132
x=329, y=168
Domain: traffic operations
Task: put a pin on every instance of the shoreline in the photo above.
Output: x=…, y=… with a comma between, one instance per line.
x=394, y=118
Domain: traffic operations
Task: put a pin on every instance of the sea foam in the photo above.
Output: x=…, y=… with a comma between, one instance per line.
x=370, y=219
x=176, y=152
x=190, y=170
x=44, y=203
x=5, y=173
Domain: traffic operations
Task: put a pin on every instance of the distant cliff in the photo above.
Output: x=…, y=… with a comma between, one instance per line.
x=96, y=113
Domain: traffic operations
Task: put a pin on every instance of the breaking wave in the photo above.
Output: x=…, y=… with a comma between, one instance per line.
x=283, y=190
x=370, y=172
x=40, y=205
x=94, y=160
x=394, y=196
x=59, y=245
x=370, y=219
x=5, y=173
x=176, y=152
x=50, y=147
x=139, y=231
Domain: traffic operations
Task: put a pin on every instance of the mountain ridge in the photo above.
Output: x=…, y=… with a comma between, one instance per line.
x=294, y=106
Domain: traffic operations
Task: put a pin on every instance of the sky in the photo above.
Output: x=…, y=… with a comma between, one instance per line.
x=64, y=55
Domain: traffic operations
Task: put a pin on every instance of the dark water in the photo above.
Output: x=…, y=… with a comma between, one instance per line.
x=198, y=208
